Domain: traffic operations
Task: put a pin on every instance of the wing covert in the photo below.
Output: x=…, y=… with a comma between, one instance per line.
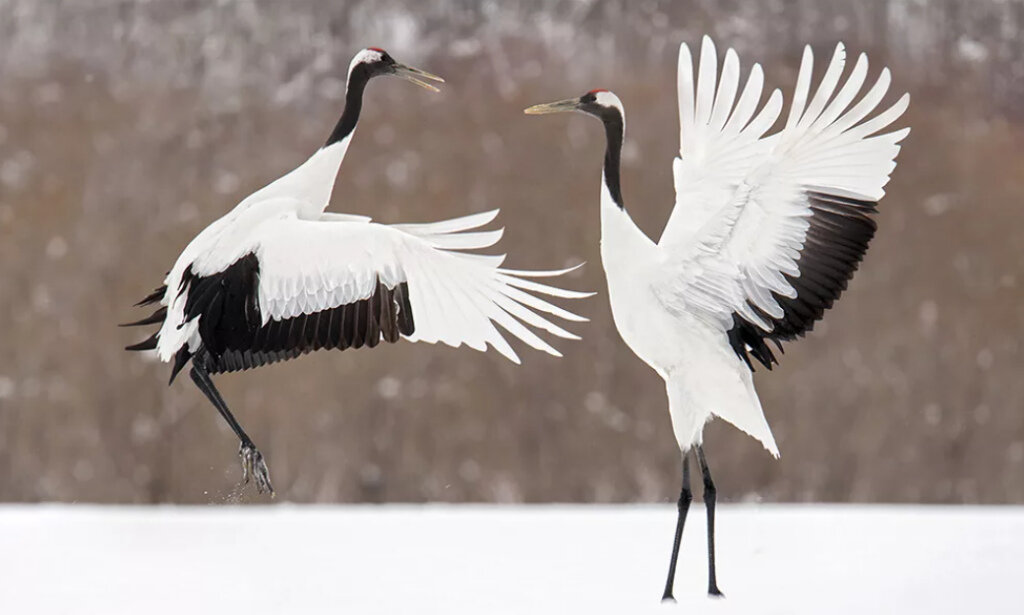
x=451, y=296
x=775, y=225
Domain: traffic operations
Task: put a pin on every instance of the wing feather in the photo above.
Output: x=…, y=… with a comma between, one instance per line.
x=803, y=86
x=748, y=102
x=454, y=225
x=726, y=95
x=706, y=80
x=768, y=230
x=539, y=304
x=465, y=241
x=536, y=287
x=685, y=93
x=825, y=89
x=456, y=297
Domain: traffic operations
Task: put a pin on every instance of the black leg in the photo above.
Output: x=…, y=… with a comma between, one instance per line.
x=709, y=503
x=685, y=497
x=252, y=460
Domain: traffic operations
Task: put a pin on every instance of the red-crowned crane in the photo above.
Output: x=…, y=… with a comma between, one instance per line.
x=764, y=236
x=276, y=278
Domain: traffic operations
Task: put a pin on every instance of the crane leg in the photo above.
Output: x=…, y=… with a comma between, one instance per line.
x=685, y=497
x=253, y=465
x=709, y=503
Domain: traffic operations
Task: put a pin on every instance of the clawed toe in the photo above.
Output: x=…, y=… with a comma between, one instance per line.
x=255, y=468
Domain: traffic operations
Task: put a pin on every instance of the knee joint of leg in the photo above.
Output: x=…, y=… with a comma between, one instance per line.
x=685, y=497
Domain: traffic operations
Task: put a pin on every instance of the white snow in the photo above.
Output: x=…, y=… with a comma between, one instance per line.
x=515, y=559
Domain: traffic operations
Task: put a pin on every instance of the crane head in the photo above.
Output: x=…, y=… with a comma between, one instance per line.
x=374, y=61
x=602, y=104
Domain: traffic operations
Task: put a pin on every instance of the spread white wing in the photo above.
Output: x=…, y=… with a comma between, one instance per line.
x=766, y=231
x=456, y=298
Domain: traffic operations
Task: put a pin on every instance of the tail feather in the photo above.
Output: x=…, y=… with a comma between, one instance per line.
x=751, y=420
x=147, y=344
x=155, y=317
x=153, y=297
x=720, y=385
x=180, y=359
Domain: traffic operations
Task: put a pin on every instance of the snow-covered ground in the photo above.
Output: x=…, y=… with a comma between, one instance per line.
x=521, y=559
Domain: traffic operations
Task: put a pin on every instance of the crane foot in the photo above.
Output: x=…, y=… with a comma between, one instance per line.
x=254, y=468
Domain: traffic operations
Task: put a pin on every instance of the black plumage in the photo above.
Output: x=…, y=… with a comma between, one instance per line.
x=838, y=236
x=147, y=344
x=234, y=337
x=385, y=315
x=153, y=297
x=155, y=317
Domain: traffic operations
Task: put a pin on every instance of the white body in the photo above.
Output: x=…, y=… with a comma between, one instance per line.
x=740, y=222
x=303, y=192
x=310, y=261
x=703, y=376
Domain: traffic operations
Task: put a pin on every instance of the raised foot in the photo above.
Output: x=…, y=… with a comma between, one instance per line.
x=253, y=467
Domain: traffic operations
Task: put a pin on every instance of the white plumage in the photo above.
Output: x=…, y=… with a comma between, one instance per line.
x=277, y=277
x=735, y=237
x=308, y=266
x=740, y=196
x=765, y=233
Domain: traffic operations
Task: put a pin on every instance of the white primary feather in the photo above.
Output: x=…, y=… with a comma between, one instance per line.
x=741, y=207
x=457, y=298
x=734, y=241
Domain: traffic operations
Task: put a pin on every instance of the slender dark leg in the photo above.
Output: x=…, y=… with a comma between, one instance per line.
x=252, y=460
x=709, y=503
x=685, y=497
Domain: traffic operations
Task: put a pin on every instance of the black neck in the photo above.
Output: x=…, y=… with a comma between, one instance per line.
x=353, y=105
x=613, y=128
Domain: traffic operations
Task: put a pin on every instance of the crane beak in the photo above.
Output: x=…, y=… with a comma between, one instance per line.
x=570, y=104
x=416, y=76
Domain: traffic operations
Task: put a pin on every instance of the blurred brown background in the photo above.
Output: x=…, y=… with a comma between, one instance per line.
x=125, y=127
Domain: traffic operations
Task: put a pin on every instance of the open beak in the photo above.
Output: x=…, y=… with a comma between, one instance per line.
x=416, y=76
x=570, y=104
